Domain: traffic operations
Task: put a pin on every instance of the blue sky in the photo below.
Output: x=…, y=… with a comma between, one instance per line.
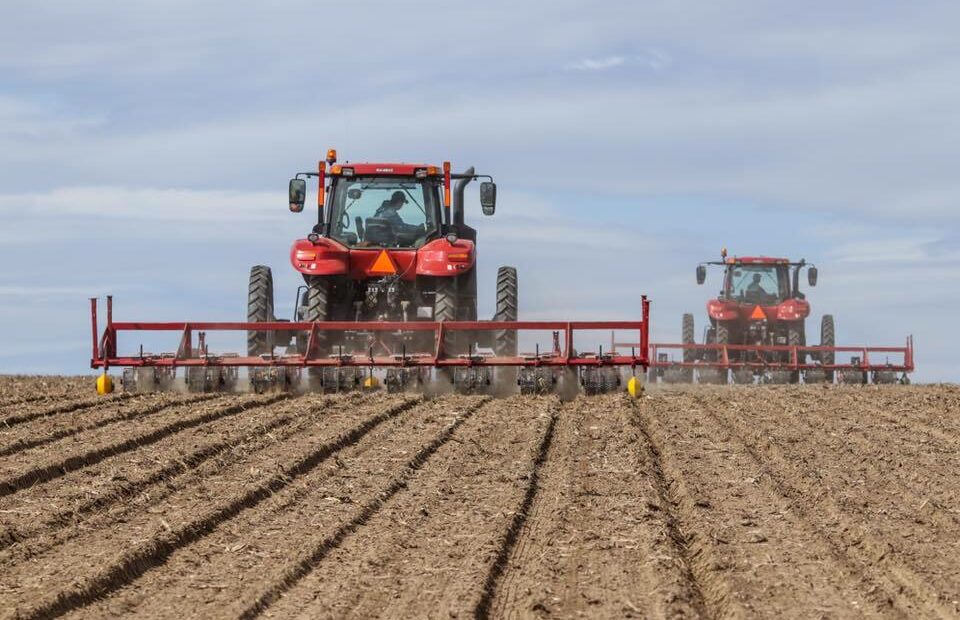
x=145, y=149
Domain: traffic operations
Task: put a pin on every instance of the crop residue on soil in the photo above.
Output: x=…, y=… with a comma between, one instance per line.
x=698, y=502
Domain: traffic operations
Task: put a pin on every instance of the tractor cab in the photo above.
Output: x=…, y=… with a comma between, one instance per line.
x=757, y=281
x=384, y=212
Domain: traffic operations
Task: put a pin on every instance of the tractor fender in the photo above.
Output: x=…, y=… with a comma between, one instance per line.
x=793, y=310
x=719, y=310
x=326, y=257
x=441, y=258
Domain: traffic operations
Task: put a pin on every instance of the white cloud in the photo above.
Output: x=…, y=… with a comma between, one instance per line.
x=147, y=204
x=596, y=64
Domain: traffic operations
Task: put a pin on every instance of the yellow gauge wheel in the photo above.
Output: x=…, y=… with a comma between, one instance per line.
x=635, y=387
x=371, y=383
x=104, y=384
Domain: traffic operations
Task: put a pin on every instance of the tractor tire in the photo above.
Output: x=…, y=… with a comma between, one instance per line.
x=445, y=309
x=505, y=340
x=795, y=338
x=318, y=306
x=318, y=310
x=827, y=339
x=445, y=300
x=721, y=335
x=260, y=310
x=689, y=355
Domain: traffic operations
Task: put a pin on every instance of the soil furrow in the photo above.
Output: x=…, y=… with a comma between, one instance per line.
x=428, y=551
x=36, y=437
x=694, y=501
x=596, y=543
x=708, y=595
x=227, y=569
x=69, y=407
x=740, y=520
x=224, y=447
x=509, y=542
x=307, y=563
x=902, y=588
x=133, y=563
x=45, y=473
x=23, y=400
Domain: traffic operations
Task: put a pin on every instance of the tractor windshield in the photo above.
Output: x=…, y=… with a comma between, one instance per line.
x=385, y=212
x=758, y=284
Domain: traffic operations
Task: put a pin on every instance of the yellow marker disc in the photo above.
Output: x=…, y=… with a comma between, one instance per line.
x=104, y=384
x=635, y=387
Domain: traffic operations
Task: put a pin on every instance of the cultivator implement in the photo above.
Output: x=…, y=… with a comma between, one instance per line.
x=723, y=363
x=376, y=365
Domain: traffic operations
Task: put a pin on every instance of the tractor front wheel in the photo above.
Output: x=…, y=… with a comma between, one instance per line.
x=827, y=339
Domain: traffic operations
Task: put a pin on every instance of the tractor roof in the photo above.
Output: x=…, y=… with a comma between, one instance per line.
x=387, y=169
x=757, y=260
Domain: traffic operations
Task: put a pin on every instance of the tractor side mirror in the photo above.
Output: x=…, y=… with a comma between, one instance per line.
x=812, y=276
x=701, y=274
x=488, y=197
x=298, y=194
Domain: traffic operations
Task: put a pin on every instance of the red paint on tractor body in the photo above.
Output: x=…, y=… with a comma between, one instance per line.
x=327, y=257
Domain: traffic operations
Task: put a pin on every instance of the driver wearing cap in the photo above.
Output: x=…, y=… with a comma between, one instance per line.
x=389, y=209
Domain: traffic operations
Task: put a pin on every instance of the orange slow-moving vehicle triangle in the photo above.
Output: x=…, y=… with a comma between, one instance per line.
x=383, y=265
x=758, y=314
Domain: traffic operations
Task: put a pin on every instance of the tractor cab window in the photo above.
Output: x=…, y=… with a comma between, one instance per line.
x=758, y=284
x=383, y=212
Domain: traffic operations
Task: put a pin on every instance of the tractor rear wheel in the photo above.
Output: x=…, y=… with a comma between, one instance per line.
x=685, y=375
x=827, y=339
x=795, y=338
x=689, y=355
x=260, y=310
x=445, y=309
x=318, y=307
x=721, y=335
x=505, y=340
x=318, y=310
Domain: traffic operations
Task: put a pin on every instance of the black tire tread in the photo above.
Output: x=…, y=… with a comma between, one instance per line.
x=689, y=355
x=828, y=339
x=260, y=309
x=505, y=340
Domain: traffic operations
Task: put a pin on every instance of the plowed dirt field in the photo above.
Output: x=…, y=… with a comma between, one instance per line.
x=714, y=502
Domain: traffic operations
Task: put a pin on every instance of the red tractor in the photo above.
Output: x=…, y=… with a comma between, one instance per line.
x=390, y=290
x=390, y=244
x=760, y=305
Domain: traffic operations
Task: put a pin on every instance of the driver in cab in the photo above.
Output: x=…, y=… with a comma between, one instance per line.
x=755, y=288
x=389, y=210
